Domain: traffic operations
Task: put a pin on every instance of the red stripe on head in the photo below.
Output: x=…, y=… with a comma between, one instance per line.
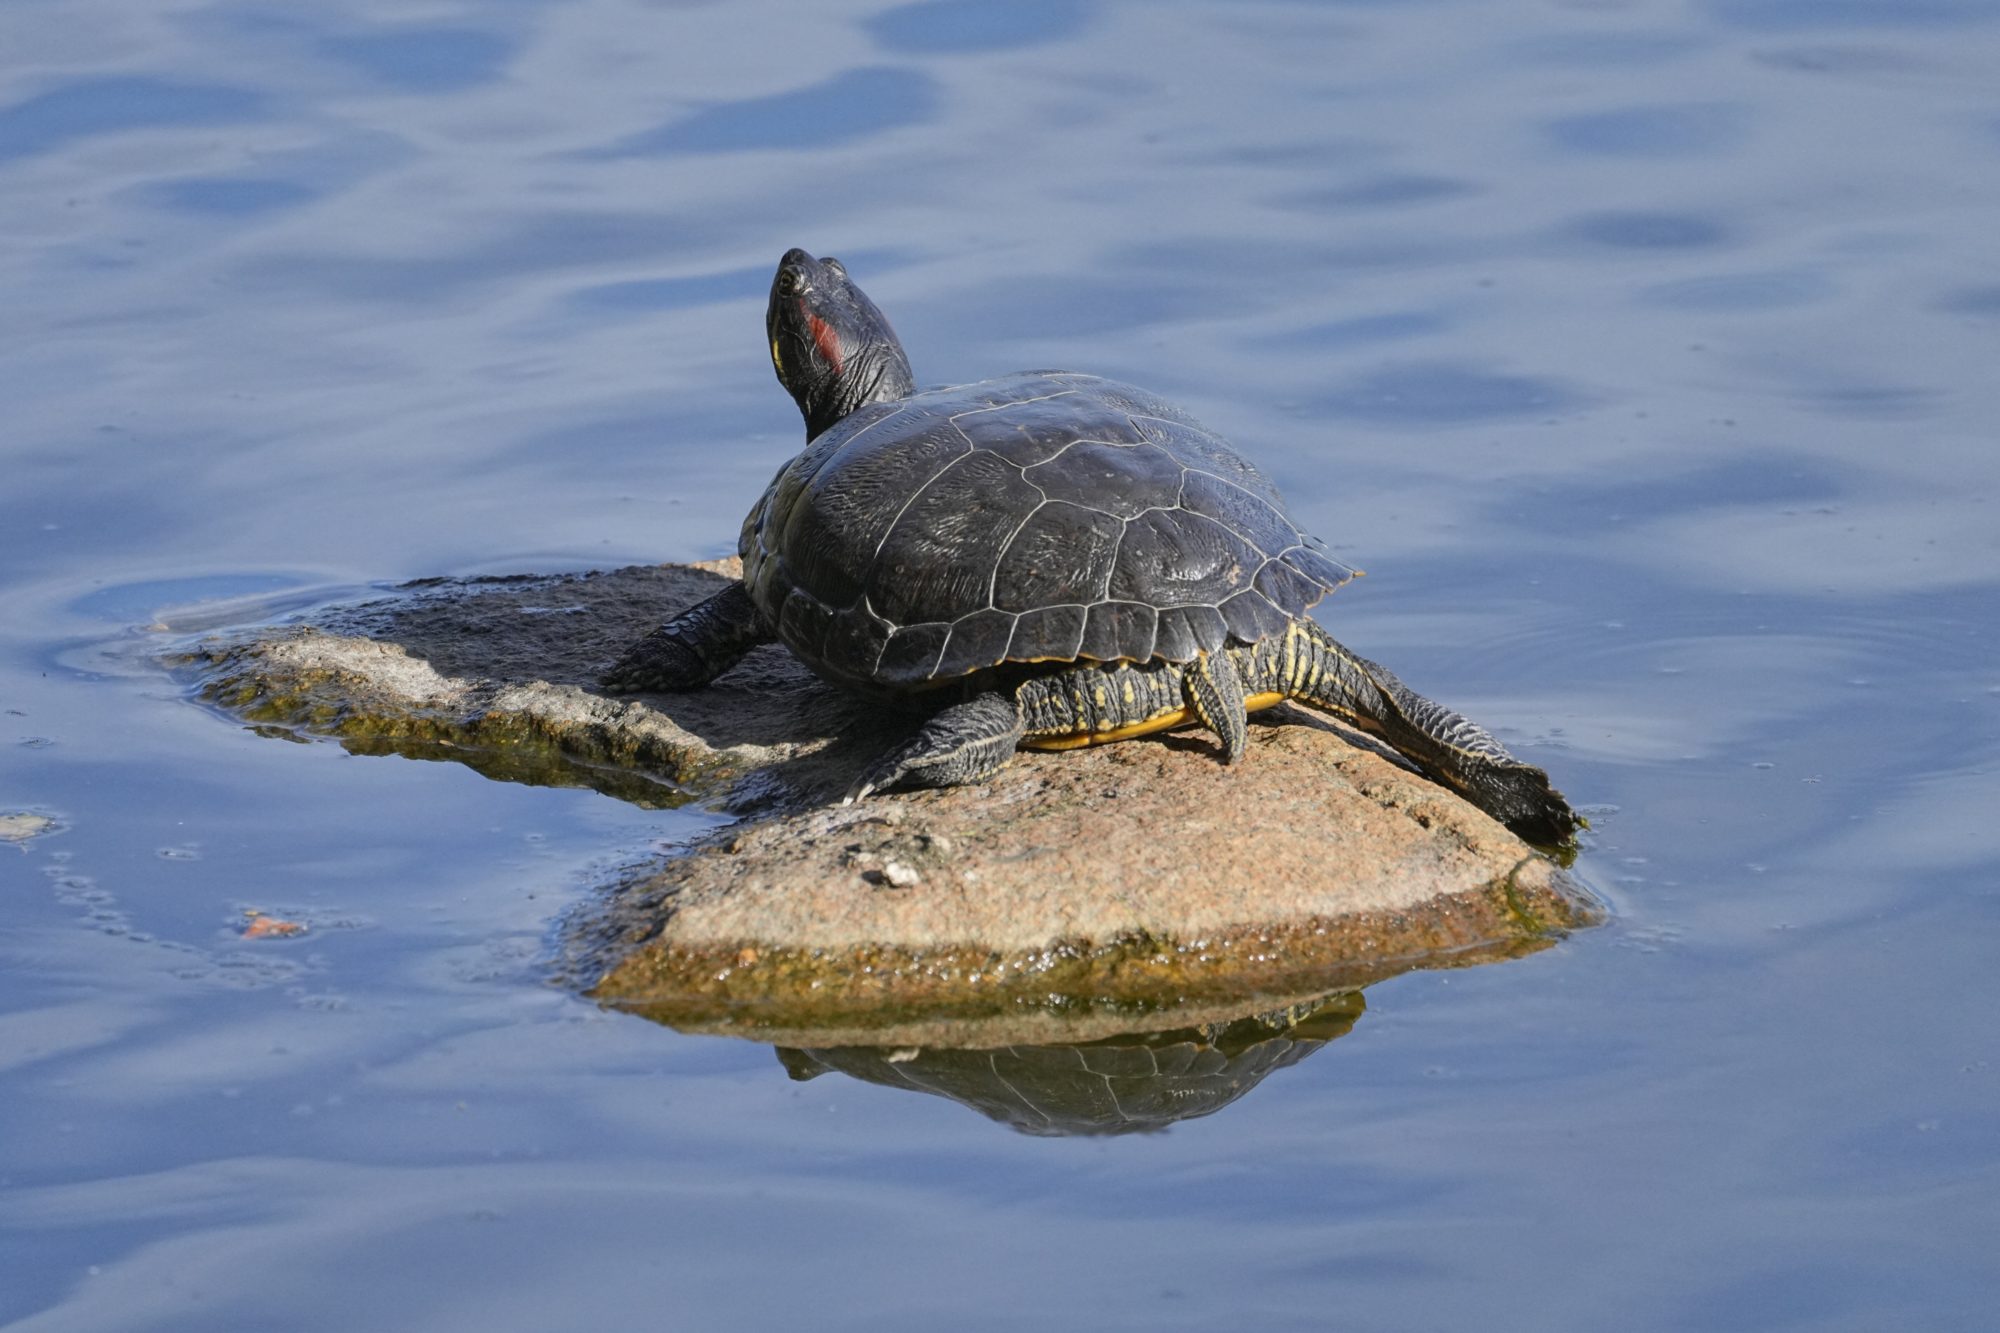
x=826, y=340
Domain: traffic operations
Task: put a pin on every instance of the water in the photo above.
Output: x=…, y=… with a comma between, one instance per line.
x=1642, y=352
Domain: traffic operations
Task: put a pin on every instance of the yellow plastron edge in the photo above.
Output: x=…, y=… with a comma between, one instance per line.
x=1179, y=717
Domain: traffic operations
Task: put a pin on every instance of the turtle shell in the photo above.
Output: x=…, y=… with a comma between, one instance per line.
x=1040, y=517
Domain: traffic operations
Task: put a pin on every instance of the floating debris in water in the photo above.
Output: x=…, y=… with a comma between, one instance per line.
x=21, y=825
x=261, y=926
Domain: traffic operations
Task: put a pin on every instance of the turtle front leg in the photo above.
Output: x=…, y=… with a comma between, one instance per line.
x=693, y=648
x=961, y=743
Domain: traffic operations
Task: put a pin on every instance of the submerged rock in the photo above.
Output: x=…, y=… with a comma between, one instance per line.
x=1129, y=887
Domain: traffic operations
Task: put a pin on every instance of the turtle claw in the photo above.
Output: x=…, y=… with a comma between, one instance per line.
x=883, y=774
x=961, y=743
x=1214, y=691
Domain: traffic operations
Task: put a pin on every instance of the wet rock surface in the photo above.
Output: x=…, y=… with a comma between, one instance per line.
x=500, y=674
x=1128, y=887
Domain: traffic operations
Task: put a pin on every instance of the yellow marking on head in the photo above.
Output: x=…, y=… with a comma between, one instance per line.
x=777, y=361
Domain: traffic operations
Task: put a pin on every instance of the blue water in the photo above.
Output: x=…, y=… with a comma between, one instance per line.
x=1641, y=352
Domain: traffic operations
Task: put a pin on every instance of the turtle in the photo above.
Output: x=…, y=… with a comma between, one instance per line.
x=1045, y=560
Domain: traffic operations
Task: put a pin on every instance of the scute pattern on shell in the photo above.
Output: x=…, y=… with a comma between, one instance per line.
x=1045, y=516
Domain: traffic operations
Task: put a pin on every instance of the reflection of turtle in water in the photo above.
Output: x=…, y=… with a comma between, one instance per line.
x=1136, y=1083
x=1047, y=559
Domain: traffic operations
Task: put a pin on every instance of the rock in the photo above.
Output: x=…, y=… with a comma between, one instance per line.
x=1130, y=887
x=500, y=673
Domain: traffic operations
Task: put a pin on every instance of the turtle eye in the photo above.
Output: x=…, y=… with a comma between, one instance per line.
x=838, y=269
x=790, y=283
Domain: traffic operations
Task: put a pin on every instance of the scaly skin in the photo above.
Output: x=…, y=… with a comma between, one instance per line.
x=693, y=648
x=1089, y=705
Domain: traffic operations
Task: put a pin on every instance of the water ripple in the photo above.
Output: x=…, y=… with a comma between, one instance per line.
x=90, y=108
x=1444, y=393
x=846, y=108
x=225, y=196
x=1650, y=231
x=1688, y=129
x=939, y=26
x=1391, y=190
x=1770, y=289
x=1797, y=15
x=423, y=60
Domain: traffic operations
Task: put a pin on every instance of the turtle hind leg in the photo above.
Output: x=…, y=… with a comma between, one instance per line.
x=961, y=743
x=1307, y=664
x=1470, y=761
x=693, y=648
x=1214, y=693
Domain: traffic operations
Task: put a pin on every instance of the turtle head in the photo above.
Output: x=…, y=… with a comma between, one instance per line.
x=832, y=348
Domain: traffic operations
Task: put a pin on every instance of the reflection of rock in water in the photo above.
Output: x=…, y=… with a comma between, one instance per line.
x=1136, y=1083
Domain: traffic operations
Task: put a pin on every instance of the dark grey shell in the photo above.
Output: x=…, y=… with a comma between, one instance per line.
x=1040, y=517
